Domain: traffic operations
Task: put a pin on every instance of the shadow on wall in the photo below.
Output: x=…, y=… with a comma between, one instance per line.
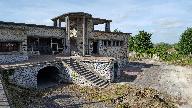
x=131, y=72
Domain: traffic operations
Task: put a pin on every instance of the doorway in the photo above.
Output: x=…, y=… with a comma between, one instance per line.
x=95, y=47
x=54, y=47
x=115, y=69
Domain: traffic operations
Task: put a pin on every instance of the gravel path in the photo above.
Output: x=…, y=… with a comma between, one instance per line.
x=174, y=80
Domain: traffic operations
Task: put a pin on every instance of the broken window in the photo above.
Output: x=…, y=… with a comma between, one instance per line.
x=9, y=46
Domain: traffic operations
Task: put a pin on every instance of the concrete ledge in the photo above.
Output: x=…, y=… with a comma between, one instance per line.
x=12, y=58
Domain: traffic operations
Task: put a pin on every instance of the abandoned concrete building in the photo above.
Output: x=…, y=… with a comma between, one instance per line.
x=83, y=55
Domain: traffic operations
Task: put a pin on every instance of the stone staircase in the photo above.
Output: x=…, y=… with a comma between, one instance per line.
x=91, y=76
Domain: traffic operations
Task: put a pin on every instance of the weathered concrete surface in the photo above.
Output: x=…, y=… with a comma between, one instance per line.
x=174, y=80
x=3, y=98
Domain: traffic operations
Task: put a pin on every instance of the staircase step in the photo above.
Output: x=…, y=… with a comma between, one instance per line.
x=85, y=73
x=91, y=76
x=88, y=74
x=104, y=85
x=99, y=82
x=96, y=80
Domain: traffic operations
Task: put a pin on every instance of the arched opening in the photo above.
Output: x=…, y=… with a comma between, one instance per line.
x=47, y=77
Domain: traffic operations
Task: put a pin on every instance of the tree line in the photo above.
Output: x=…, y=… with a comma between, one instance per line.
x=178, y=53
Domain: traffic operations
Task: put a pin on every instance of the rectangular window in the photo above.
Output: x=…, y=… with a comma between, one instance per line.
x=9, y=46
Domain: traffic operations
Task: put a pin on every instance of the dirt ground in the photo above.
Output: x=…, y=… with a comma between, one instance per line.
x=173, y=80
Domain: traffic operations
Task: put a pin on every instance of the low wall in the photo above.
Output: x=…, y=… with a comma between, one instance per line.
x=12, y=58
x=25, y=76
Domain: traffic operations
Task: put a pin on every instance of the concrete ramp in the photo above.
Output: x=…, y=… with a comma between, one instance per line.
x=3, y=97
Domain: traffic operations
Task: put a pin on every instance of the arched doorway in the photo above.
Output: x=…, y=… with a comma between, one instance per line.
x=47, y=77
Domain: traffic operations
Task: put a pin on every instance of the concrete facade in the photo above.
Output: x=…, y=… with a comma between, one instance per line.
x=72, y=34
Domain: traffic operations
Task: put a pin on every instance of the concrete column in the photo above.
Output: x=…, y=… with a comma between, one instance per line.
x=55, y=23
x=84, y=39
x=58, y=23
x=67, y=20
x=51, y=44
x=107, y=27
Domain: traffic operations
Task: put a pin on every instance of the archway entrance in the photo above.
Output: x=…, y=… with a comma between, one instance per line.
x=47, y=77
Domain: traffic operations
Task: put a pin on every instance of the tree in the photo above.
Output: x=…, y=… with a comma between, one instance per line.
x=131, y=43
x=185, y=43
x=142, y=42
x=117, y=31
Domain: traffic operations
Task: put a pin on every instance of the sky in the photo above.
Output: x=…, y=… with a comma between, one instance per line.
x=165, y=19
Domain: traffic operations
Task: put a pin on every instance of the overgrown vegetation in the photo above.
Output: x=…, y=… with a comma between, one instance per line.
x=121, y=96
x=126, y=96
x=178, y=53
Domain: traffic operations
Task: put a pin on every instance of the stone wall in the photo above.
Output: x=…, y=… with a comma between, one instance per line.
x=103, y=69
x=112, y=51
x=12, y=58
x=27, y=76
x=118, y=52
x=75, y=77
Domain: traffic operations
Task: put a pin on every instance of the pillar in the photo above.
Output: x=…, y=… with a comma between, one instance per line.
x=107, y=26
x=84, y=39
x=58, y=23
x=51, y=43
x=67, y=49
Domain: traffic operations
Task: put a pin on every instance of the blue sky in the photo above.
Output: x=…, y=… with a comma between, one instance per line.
x=165, y=19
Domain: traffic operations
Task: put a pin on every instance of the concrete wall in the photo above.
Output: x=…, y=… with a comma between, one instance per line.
x=36, y=30
x=112, y=51
x=118, y=52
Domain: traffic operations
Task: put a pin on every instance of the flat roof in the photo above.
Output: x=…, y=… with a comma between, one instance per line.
x=72, y=14
x=29, y=25
x=80, y=14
